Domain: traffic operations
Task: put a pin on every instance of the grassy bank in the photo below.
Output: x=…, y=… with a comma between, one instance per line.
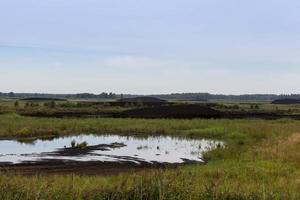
x=261, y=161
x=13, y=126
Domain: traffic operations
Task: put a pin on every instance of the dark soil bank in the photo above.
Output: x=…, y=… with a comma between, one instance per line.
x=181, y=111
x=60, y=167
x=174, y=111
x=143, y=100
x=90, y=168
x=286, y=101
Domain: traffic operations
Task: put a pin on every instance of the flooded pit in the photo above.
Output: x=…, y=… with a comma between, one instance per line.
x=110, y=148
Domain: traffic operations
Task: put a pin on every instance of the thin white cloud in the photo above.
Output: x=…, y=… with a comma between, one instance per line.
x=134, y=62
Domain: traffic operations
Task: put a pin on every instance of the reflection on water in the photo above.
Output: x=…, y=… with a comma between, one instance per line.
x=134, y=149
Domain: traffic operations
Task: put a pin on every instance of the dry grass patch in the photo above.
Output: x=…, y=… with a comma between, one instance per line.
x=283, y=148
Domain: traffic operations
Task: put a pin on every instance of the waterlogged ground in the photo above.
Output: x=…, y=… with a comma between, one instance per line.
x=107, y=148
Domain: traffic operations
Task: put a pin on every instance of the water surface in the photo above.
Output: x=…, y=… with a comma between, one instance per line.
x=163, y=149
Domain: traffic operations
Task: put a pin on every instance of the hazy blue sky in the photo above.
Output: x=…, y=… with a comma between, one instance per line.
x=156, y=46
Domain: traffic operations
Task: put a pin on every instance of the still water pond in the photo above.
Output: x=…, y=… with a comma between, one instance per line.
x=115, y=148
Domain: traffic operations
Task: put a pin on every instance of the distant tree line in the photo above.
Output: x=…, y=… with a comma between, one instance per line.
x=102, y=95
x=174, y=96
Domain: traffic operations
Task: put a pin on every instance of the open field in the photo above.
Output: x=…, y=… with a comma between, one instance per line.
x=149, y=100
x=260, y=160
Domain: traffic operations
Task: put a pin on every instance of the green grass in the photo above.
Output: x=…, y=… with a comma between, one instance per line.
x=13, y=125
x=49, y=108
x=261, y=161
x=261, y=107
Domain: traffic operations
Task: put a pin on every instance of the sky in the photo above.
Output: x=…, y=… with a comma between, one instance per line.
x=150, y=47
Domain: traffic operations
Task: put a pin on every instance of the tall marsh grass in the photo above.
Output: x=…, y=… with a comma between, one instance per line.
x=260, y=161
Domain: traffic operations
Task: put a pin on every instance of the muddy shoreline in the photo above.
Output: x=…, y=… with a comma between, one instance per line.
x=89, y=168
